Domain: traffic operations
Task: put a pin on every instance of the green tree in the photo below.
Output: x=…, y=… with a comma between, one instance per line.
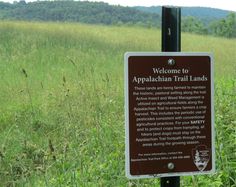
x=225, y=27
x=193, y=25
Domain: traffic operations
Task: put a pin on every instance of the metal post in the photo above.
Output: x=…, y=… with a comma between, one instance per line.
x=171, y=42
x=171, y=29
x=170, y=182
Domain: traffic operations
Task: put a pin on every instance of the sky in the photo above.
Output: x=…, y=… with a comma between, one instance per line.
x=221, y=4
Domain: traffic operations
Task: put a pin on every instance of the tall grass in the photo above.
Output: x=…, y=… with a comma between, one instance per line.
x=62, y=105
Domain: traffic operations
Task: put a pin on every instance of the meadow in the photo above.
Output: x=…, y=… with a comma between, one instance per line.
x=62, y=104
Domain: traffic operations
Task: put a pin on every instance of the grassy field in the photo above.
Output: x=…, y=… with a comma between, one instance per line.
x=62, y=104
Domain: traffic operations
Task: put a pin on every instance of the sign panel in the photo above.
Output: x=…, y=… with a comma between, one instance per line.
x=169, y=114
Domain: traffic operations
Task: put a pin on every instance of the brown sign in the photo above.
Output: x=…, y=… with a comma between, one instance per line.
x=169, y=114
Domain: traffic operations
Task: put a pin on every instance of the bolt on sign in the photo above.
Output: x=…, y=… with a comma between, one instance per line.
x=169, y=114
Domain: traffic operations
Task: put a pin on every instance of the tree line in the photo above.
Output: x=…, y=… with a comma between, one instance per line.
x=225, y=27
x=103, y=13
x=77, y=11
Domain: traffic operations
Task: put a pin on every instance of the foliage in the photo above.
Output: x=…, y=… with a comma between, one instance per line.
x=202, y=21
x=61, y=104
x=77, y=11
x=225, y=27
x=193, y=25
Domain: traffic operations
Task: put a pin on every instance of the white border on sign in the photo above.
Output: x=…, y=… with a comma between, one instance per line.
x=126, y=86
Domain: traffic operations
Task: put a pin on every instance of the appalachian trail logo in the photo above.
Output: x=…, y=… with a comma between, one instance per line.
x=201, y=157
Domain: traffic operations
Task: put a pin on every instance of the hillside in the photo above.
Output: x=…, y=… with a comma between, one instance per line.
x=98, y=12
x=202, y=13
x=77, y=11
x=194, y=20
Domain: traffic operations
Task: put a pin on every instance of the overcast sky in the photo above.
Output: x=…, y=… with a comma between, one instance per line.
x=221, y=4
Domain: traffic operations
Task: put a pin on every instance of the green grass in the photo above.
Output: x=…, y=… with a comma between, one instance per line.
x=62, y=104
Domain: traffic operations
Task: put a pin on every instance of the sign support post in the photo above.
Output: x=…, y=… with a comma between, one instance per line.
x=171, y=42
x=169, y=109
